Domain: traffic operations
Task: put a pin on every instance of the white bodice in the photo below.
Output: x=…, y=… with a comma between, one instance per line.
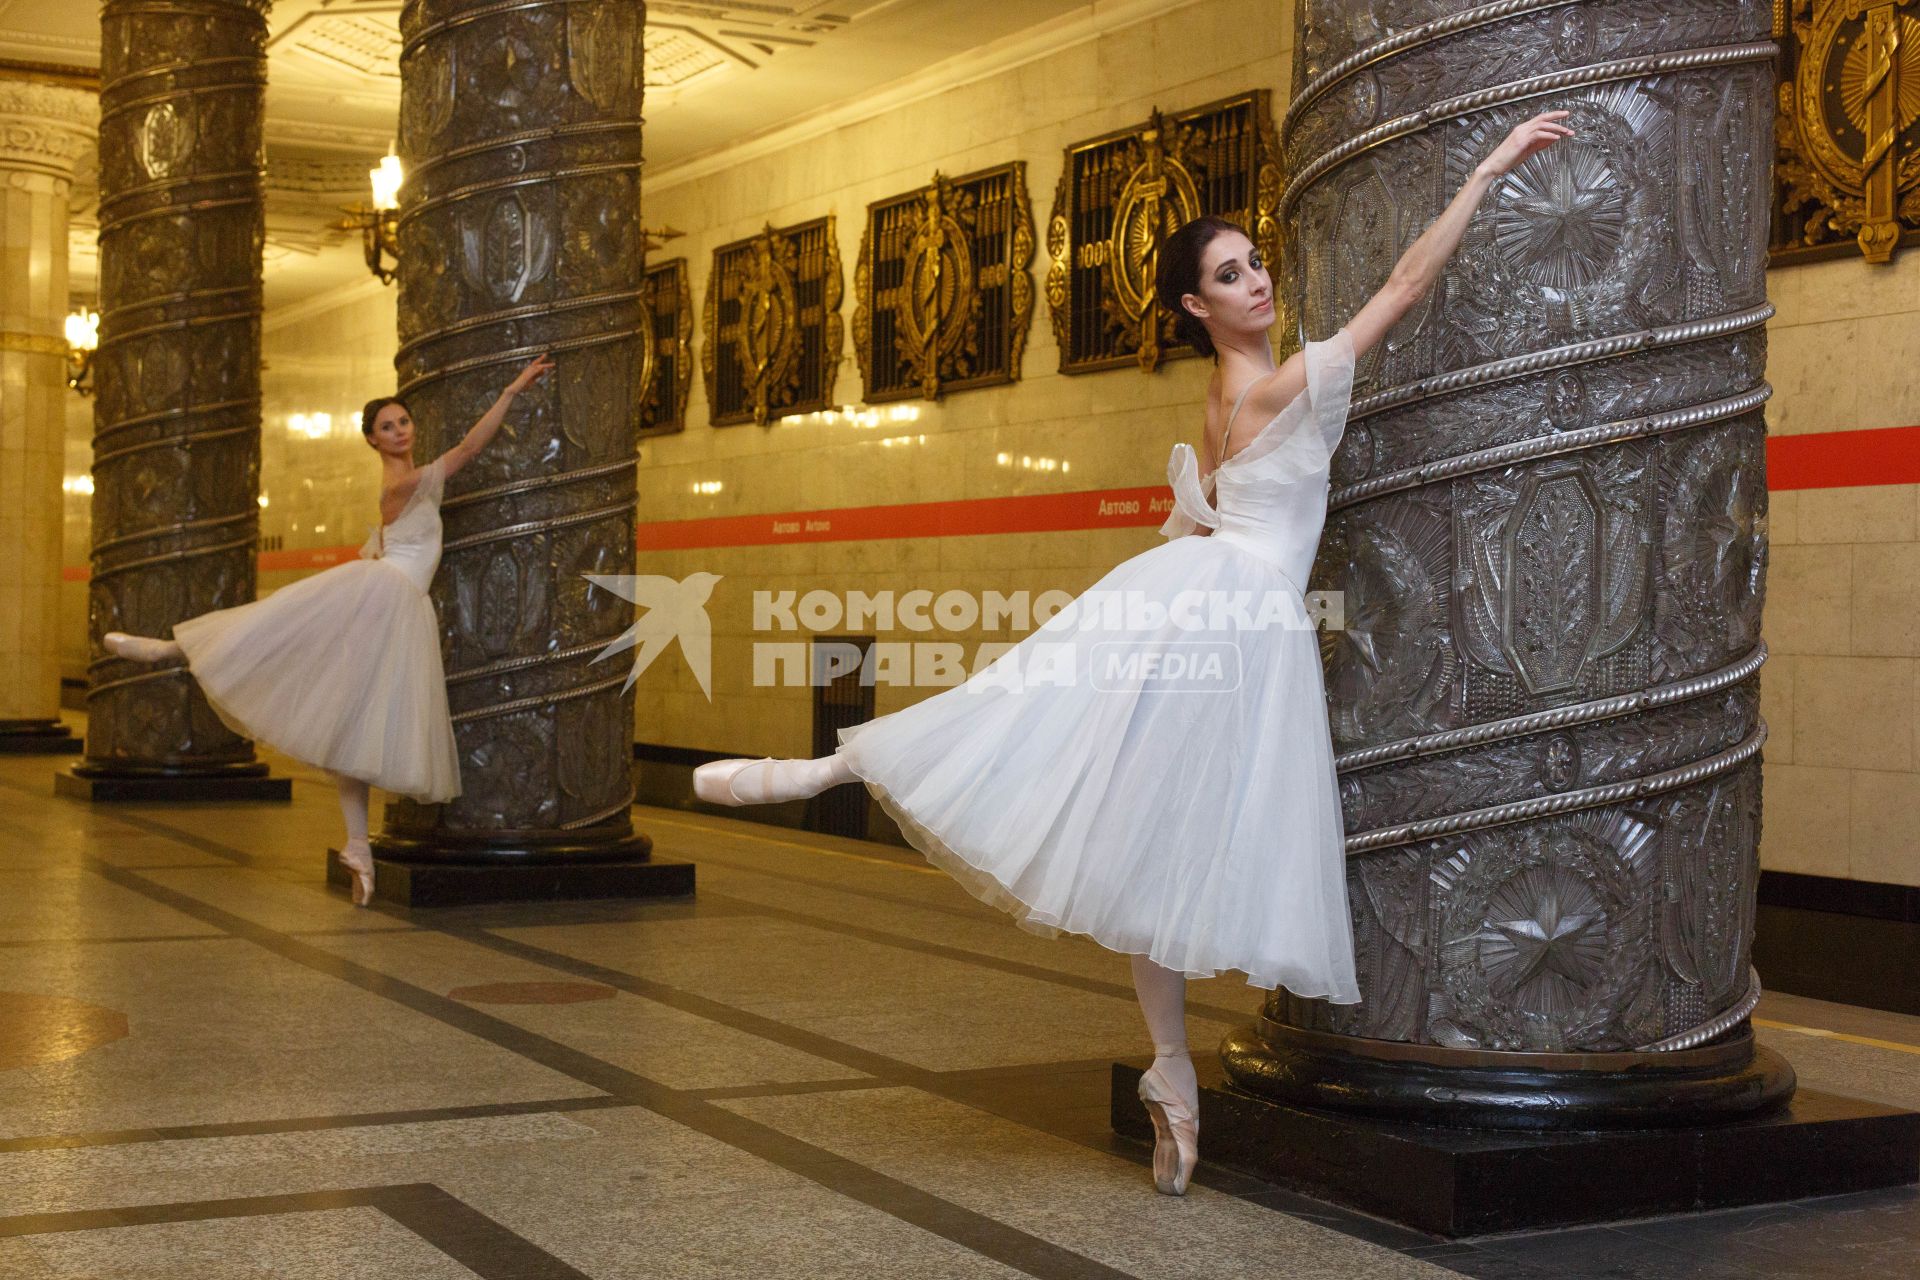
x=1270, y=498
x=412, y=542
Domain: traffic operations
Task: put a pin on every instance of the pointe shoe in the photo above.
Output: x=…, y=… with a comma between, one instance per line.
x=357, y=857
x=714, y=783
x=139, y=648
x=1176, y=1133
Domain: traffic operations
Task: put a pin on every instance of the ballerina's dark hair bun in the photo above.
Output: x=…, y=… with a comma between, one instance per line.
x=372, y=411
x=1178, y=274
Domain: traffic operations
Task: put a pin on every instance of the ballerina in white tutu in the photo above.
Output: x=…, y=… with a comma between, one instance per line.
x=1152, y=768
x=342, y=669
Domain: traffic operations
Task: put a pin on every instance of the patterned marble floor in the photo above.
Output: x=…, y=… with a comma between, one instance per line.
x=830, y=1063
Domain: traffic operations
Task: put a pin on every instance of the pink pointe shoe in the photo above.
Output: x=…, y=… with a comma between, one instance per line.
x=139, y=648
x=357, y=857
x=1176, y=1132
x=714, y=783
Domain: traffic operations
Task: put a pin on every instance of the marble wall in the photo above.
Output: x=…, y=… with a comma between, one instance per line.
x=1841, y=693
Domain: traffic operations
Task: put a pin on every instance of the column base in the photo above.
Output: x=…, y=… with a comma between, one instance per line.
x=105, y=784
x=39, y=738
x=450, y=884
x=1483, y=1089
x=1456, y=1182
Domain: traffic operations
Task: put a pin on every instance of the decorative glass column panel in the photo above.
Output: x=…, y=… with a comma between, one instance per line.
x=176, y=442
x=44, y=130
x=520, y=233
x=1548, y=520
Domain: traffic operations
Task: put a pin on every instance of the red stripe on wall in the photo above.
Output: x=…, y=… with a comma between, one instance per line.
x=1827, y=460
x=1844, y=459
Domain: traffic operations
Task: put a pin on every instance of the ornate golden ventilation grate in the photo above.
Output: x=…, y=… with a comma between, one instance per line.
x=1121, y=195
x=772, y=327
x=943, y=294
x=668, y=374
x=1847, y=176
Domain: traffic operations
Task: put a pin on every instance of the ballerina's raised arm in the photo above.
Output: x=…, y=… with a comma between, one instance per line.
x=481, y=433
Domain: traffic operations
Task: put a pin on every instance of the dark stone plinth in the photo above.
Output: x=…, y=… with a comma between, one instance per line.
x=38, y=738
x=104, y=787
x=1457, y=1182
x=446, y=884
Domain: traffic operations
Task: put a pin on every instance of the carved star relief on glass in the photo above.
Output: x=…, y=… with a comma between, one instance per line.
x=943, y=294
x=1121, y=195
x=771, y=326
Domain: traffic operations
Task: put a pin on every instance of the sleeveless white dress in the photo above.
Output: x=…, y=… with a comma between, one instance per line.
x=1159, y=807
x=342, y=669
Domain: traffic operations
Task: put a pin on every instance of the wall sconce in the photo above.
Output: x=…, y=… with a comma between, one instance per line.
x=379, y=224
x=83, y=339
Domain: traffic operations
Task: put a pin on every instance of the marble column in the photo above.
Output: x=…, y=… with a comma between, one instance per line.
x=1548, y=518
x=519, y=232
x=44, y=129
x=176, y=447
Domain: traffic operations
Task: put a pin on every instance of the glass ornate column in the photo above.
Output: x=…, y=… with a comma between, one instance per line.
x=44, y=130
x=176, y=446
x=520, y=232
x=1549, y=520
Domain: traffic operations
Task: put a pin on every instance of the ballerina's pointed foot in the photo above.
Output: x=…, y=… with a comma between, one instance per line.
x=140, y=648
x=357, y=857
x=1176, y=1132
x=767, y=781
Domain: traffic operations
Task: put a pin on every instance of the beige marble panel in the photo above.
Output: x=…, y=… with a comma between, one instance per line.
x=1886, y=827
x=1853, y=713
x=1808, y=814
x=1810, y=599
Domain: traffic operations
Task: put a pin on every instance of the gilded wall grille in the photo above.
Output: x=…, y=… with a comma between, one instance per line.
x=669, y=372
x=1847, y=174
x=772, y=324
x=1121, y=195
x=943, y=294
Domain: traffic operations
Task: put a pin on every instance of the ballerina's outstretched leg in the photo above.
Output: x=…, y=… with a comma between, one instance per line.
x=141, y=648
x=1169, y=1087
x=357, y=854
x=769, y=781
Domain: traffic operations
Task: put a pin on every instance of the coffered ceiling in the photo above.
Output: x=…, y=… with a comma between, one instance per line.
x=716, y=75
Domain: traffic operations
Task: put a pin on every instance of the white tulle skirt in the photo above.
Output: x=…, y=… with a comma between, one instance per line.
x=340, y=670
x=1155, y=807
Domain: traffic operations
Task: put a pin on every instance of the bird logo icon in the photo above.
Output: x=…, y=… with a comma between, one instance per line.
x=666, y=611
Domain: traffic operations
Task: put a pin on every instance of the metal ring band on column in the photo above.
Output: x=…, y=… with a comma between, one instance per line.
x=540, y=526
x=1559, y=358
x=162, y=673
x=525, y=138
x=171, y=530
x=183, y=8
x=165, y=415
x=541, y=700
x=514, y=356
x=252, y=84
x=594, y=819
x=610, y=298
x=187, y=322
x=185, y=553
x=1517, y=91
x=1565, y=802
x=1660, y=695
x=506, y=666
x=172, y=68
x=175, y=184
x=431, y=203
x=1718, y=1025
x=1412, y=38
x=170, y=299
x=174, y=211
x=167, y=442
x=539, y=482
x=1548, y=447
x=477, y=15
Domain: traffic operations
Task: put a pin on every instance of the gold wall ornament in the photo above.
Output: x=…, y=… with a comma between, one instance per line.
x=1121, y=195
x=943, y=291
x=666, y=373
x=1848, y=168
x=772, y=329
